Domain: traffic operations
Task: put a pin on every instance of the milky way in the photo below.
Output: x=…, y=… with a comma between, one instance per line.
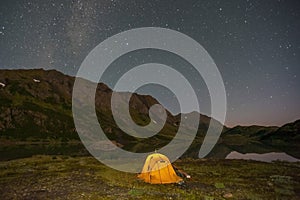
x=255, y=44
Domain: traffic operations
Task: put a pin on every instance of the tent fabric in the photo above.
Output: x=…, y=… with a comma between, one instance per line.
x=158, y=170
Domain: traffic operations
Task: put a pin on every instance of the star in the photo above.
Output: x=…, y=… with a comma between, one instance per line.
x=253, y=43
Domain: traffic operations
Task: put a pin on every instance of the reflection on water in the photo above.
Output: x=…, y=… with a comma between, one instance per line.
x=10, y=152
x=265, y=157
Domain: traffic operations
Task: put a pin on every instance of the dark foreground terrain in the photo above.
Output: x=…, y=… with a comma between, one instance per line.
x=64, y=177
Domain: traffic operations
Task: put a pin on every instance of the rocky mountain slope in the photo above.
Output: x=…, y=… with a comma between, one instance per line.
x=35, y=105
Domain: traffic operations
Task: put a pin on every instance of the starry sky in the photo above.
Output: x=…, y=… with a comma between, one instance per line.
x=254, y=43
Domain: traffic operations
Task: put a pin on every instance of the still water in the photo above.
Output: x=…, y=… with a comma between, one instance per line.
x=10, y=152
x=265, y=157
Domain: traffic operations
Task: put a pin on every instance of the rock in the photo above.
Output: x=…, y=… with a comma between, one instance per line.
x=2, y=84
x=36, y=80
x=227, y=195
x=270, y=184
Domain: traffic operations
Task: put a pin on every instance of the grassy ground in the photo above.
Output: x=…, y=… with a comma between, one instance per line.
x=63, y=177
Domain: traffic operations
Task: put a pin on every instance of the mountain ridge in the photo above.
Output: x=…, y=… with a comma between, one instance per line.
x=36, y=105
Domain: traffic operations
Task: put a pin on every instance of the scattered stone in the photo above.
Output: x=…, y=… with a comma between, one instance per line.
x=227, y=195
x=270, y=184
x=36, y=80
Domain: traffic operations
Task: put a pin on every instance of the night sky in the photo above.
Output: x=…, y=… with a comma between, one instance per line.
x=255, y=44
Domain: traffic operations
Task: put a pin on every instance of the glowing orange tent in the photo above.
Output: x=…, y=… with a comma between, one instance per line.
x=158, y=170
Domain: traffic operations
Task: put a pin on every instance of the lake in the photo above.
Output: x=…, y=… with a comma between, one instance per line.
x=10, y=152
x=265, y=157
